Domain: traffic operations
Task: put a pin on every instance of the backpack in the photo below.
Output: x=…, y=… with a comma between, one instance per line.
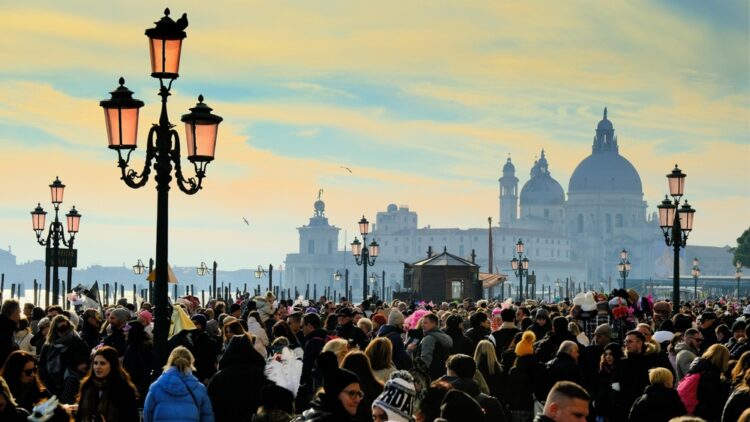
x=688, y=391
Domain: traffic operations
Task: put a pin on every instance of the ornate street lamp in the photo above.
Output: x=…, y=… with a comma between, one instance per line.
x=203, y=270
x=738, y=276
x=520, y=267
x=364, y=255
x=337, y=277
x=624, y=267
x=260, y=272
x=139, y=268
x=676, y=223
x=695, y=272
x=162, y=152
x=55, y=236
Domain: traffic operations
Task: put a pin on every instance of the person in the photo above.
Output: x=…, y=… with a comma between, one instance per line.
x=564, y=366
x=234, y=390
x=393, y=331
x=380, y=353
x=631, y=377
x=106, y=392
x=480, y=329
x=457, y=405
x=550, y=344
x=566, y=402
x=358, y=363
x=740, y=369
x=117, y=319
x=461, y=343
x=206, y=348
x=339, y=347
x=504, y=335
x=591, y=355
x=707, y=327
x=23, y=336
x=486, y=359
x=434, y=346
x=525, y=380
x=713, y=390
x=9, y=410
x=428, y=409
x=255, y=328
x=340, y=397
x=660, y=401
x=276, y=404
x=738, y=401
x=606, y=403
x=62, y=350
x=396, y=403
x=10, y=314
x=138, y=358
x=89, y=328
x=541, y=325
x=687, y=352
x=21, y=373
x=315, y=339
x=177, y=395
x=41, y=335
x=460, y=373
x=347, y=330
x=656, y=356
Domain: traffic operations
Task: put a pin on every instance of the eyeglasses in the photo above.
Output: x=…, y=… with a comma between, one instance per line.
x=30, y=372
x=354, y=394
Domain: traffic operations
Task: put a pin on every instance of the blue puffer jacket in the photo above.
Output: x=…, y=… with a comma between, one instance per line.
x=168, y=399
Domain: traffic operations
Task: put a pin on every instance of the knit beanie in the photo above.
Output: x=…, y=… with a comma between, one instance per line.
x=395, y=317
x=121, y=313
x=147, y=317
x=200, y=319
x=335, y=379
x=397, y=398
x=459, y=406
x=526, y=345
x=379, y=319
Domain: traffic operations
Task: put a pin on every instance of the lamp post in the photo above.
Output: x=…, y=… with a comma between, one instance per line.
x=520, y=267
x=203, y=270
x=337, y=277
x=260, y=272
x=696, y=272
x=162, y=152
x=738, y=276
x=364, y=255
x=676, y=230
x=55, y=236
x=624, y=267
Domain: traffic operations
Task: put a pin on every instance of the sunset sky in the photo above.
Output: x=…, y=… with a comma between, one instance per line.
x=422, y=100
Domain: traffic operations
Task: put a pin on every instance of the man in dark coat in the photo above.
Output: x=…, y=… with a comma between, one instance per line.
x=504, y=335
x=346, y=329
x=631, y=377
x=10, y=314
x=548, y=346
x=235, y=390
x=480, y=329
x=118, y=318
x=315, y=339
x=564, y=367
x=460, y=374
x=206, y=349
x=393, y=331
x=707, y=327
x=90, y=324
x=591, y=356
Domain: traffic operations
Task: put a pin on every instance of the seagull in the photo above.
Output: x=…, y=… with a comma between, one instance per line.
x=245, y=220
x=347, y=169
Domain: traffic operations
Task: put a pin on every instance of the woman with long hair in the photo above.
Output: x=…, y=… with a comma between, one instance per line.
x=9, y=410
x=486, y=358
x=339, y=347
x=177, y=394
x=741, y=367
x=605, y=398
x=713, y=387
x=63, y=350
x=380, y=353
x=21, y=372
x=739, y=401
x=341, y=395
x=358, y=363
x=107, y=394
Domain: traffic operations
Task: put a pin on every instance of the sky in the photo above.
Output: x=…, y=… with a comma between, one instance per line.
x=422, y=100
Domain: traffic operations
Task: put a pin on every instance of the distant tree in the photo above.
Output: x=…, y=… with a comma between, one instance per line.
x=742, y=251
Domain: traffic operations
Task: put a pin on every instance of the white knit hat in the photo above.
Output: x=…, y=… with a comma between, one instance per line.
x=397, y=398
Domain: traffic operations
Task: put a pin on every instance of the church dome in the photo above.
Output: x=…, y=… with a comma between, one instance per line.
x=605, y=170
x=509, y=168
x=320, y=206
x=542, y=189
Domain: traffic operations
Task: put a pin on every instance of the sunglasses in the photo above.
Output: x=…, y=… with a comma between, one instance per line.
x=354, y=394
x=30, y=372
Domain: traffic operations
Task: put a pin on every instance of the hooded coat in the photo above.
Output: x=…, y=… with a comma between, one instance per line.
x=169, y=399
x=235, y=390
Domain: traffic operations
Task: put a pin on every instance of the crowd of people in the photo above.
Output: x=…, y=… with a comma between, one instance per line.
x=597, y=357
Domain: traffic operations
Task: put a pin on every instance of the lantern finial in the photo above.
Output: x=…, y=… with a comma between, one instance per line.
x=166, y=11
x=121, y=81
x=200, y=98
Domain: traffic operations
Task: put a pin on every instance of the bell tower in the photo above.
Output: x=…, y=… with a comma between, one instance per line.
x=508, y=195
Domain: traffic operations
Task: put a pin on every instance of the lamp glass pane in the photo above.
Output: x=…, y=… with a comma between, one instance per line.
x=519, y=247
x=676, y=185
x=623, y=254
x=374, y=250
x=200, y=140
x=525, y=264
x=165, y=56
x=686, y=219
x=122, y=127
x=73, y=222
x=38, y=220
x=514, y=264
x=364, y=226
x=56, y=193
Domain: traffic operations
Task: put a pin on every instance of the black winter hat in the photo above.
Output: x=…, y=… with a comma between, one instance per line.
x=335, y=379
x=458, y=406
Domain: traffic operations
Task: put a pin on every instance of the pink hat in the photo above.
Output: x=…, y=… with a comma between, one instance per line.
x=496, y=311
x=147, y=317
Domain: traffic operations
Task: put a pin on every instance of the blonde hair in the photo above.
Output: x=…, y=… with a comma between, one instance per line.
x=485, y=352
x=574, y=328
x=718, y=356
x=182, y=359
x=339, y=347
x=660, y=376
x=380, y=353
x=5, y=391
x=366, y=322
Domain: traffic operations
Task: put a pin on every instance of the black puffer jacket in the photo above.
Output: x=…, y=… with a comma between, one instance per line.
x=657, y=404
x=737, y=403
x=326, y=409
x=528, y=378
x=713, y=392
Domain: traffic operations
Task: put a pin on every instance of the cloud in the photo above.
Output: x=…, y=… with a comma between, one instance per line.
x=316, y=89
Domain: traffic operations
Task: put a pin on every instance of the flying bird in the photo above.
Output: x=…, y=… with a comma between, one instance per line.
x=347, y=169
x=245, y=220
